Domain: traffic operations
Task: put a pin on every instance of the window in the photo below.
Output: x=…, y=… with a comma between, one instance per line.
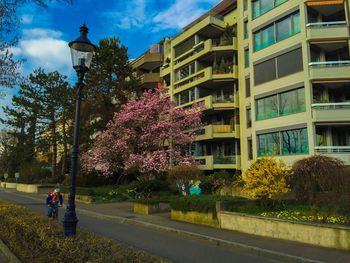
x=281, y=104
x=261, y=7
x=292, y=102
x=247, y=87
x=277, y=31
x=250, y=149
x=249, y=118
x=283, y=143
x=294, y=142
x=277, y=67
x=246, y=33
x=246, y=58
x=265, y=71
x=290, y=63
x=185, y=71
x=267, y=108
x=245, y=5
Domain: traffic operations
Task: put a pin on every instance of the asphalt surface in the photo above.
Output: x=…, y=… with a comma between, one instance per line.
x=171, y=246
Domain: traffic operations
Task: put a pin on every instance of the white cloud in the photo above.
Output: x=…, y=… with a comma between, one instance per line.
x=44, y=48
x=138, y=14
x=41, y=33
x=133, y=14
x=180, y=14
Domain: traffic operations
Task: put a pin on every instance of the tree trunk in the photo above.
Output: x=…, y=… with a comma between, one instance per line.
x=54, y=149
x=64, y=156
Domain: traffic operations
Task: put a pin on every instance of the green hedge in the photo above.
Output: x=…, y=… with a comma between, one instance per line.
x=200, y=203
x=35, y=238
x=78, y=190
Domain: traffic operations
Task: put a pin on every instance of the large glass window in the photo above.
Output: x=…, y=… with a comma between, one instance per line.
x=292, y=102
x=261, y=7
x=267, y=108
x=283, y=143
x=277, y=67
x=281, y=104
x=294, y=142
x=277, y=31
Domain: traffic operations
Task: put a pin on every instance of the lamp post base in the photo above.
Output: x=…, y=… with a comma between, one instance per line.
x=70, y=224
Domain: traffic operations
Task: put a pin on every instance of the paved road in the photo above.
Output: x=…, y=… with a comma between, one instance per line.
x=168, y=245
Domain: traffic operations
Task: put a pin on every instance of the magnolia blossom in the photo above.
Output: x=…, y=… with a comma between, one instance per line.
x=147, y=135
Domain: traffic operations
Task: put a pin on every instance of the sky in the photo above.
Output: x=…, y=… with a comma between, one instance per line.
x=45, y=32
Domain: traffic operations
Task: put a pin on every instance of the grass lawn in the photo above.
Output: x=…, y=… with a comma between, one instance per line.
x=304, y=213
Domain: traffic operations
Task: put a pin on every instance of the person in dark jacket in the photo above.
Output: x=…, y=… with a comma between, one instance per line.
x=53, y=200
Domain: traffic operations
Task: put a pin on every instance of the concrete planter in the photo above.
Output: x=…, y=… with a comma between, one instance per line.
x=147, y=209
x=34, y=188
x=8, y=185
x=315, y=234
x=79, y=198
x=195, y=218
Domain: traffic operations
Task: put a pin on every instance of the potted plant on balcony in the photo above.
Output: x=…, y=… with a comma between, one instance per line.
x=227, y=35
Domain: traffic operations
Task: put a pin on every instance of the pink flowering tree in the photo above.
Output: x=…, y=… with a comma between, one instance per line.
x=148, y=136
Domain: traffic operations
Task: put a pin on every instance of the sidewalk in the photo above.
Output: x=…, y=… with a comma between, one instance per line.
x=275, y=248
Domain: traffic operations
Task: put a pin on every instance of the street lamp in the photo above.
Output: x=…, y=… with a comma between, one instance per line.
x=82, y=51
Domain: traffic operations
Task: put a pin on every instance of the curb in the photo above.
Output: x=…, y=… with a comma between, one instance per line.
x=219, y=242
x=7, y=253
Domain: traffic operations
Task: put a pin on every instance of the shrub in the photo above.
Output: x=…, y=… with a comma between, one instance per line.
x=78, y=190
x=148, y=188
x=201, y=204
x=212, y=183
x=320, y=174
x=86, y=180
x=266, y=179
x=40, y=240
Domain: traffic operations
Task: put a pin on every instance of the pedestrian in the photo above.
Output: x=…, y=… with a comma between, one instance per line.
x=53, y=200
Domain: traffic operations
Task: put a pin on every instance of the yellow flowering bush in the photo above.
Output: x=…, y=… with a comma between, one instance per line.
x=266, y=179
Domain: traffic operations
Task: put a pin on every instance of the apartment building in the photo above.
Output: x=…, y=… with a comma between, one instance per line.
x=294, y=79
x=273, y=75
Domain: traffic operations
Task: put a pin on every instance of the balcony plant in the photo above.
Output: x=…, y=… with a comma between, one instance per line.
x=227, y=35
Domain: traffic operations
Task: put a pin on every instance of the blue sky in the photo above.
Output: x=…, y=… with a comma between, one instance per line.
x=45, y=32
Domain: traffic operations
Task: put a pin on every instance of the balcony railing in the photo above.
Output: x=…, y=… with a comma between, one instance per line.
x=320, y=64
x=326, y=24
x=223, y=128
x=332, y=149
x=224, y=159
x=331, y=106
x=223, y=98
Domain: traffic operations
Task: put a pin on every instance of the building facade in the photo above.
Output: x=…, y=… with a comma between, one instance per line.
x=273, y=77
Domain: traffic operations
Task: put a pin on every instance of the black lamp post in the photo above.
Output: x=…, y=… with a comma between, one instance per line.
x=82, y=51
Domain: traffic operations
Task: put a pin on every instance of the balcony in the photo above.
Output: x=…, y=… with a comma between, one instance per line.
x=204, y=48
x=165, y=70
x=210, y=132
x=327, y=30
x=339, y=152
x=205, y=75
x=213, y=102
x=148, y=61
x=329, y=69
x=211, y=162
x=322, y=112
x=207, y=26
x=149, y=80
